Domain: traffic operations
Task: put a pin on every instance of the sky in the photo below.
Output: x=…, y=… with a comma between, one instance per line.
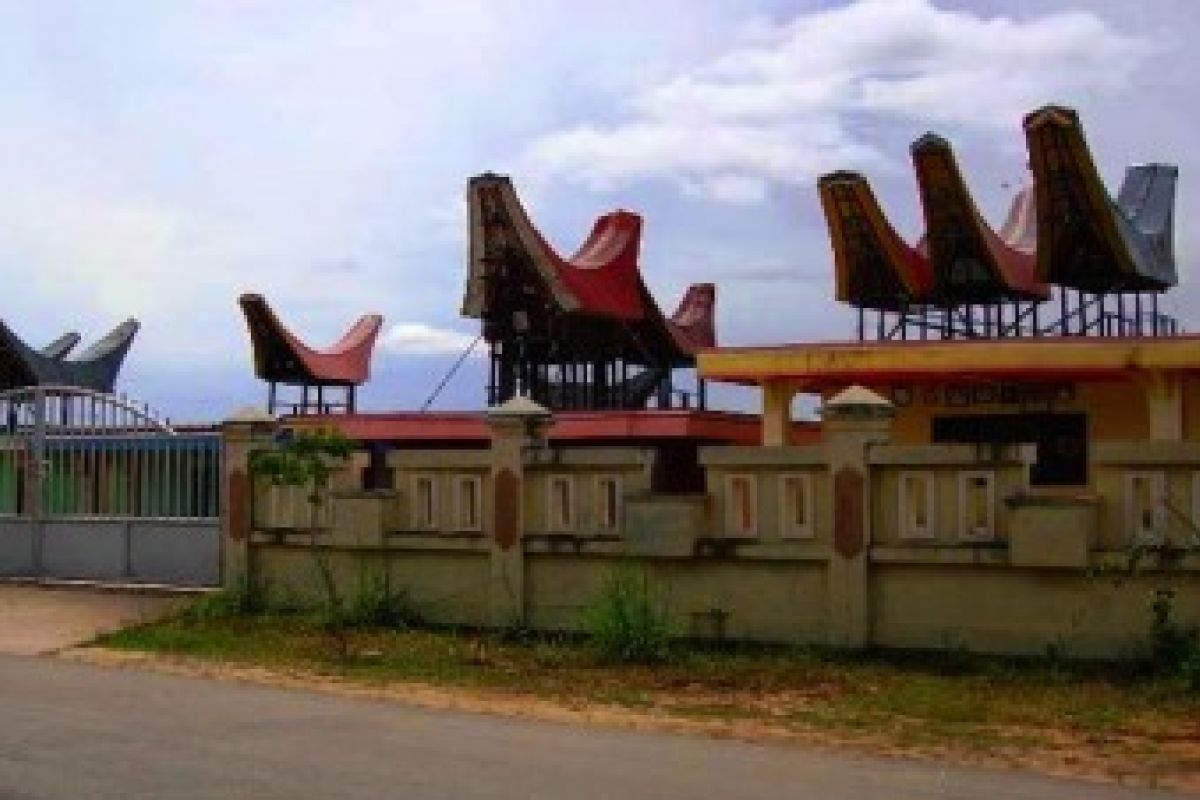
x=159, y=159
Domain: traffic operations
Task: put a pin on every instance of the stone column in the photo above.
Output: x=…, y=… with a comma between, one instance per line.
x=243, y=433
x=1164, y=405
x=777, y=412
x=518, y=427
x=853, y=420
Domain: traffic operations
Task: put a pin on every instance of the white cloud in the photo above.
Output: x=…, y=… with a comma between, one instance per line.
x=730, y=188
x=420, y=339
x=160, y=160
x=792, y=100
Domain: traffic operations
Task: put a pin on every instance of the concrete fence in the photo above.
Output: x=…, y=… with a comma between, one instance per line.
x=853, y=542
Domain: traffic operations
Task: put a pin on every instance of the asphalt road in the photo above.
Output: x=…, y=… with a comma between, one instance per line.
x=70, y=730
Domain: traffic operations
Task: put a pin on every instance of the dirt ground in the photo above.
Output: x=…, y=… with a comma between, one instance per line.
x=36, y=620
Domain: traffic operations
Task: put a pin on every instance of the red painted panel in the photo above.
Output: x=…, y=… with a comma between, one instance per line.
x=848, y=528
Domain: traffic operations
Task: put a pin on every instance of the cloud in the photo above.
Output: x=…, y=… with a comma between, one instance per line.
x=792, y=100
x=420, y=339
x=159, y=159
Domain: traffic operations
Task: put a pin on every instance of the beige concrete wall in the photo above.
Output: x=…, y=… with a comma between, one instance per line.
x=1179, y=465
x=583, y=468
x=442, y=467
x=767, y=468
x=447, y=586
x=997, y=608
x=277, y=506
x=774, y=600
x=937, y=591
x=946, y=467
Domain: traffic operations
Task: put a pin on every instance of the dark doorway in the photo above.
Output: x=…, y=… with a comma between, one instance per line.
x=1061, y=441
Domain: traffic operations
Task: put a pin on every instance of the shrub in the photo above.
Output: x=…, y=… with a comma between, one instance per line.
x=627, y=621
x=1190, y=672
x=376, y=605
x=1174, y=648
x=245, y=597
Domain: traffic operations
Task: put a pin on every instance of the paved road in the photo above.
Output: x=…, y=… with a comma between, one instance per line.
x=70, y=730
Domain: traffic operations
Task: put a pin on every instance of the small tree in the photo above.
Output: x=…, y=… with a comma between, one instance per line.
x=1174, y=646
x=308, y=460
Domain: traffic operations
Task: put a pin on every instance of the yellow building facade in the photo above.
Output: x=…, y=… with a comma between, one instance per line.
x=1060, y=394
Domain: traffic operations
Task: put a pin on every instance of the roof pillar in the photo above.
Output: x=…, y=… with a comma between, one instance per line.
x=777, y=412
x=1164, y=405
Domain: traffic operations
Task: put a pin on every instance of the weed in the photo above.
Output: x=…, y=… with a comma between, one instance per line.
x=244, y=597
x=1190, y=672
x=377, y=605
x=953, y=657
x=1174, y=648
x=551, y=654
x=627, y=621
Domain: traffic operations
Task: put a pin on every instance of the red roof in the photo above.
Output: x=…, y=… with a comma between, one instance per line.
x=602, y=279
x=603, y=274
x=280, y=356
x=600, y=427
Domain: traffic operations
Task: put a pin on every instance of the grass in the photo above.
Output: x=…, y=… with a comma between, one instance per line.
x=1102, y=715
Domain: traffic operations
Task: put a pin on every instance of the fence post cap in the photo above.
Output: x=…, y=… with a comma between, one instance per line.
x=249, y=415
x=857, y=402
x=519, y=407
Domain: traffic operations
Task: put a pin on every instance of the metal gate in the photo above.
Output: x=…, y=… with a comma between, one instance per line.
x=95, y=487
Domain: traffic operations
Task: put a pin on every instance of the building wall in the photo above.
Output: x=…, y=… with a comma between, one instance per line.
x=1116, y=410
x=1191, y=409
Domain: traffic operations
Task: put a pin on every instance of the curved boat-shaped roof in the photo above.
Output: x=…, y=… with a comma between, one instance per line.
x=602, y=280
x=61, y=347
x=96, y=368
x=280, y=356
x=1085, y=240
x=874, y=266
x=969, y=261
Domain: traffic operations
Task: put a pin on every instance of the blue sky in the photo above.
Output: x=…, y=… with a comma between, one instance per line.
x=158, y=159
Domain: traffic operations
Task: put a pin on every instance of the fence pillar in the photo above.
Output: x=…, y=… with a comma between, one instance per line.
x=518, y=427
x=246, y=431
x=853, y=420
